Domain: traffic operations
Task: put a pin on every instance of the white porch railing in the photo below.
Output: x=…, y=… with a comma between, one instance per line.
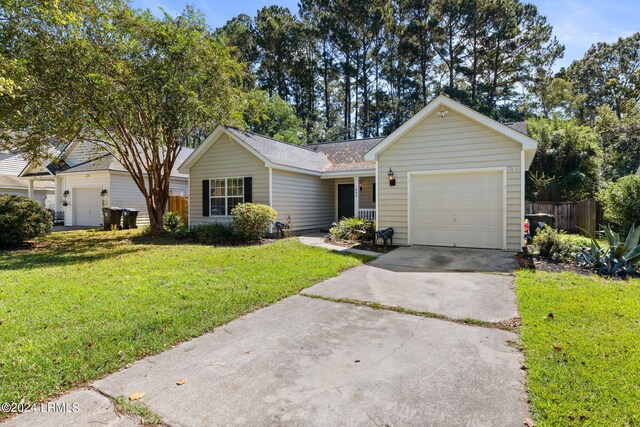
x=368, y=214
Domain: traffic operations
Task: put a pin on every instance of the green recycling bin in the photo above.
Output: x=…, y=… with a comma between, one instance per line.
x=129, y=218
x=111, y=216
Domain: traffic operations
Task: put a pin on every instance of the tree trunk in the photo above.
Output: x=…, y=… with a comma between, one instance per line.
x=327, y=101
x=347, y=96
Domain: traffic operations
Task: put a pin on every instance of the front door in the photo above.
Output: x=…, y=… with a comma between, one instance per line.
x=345, y=201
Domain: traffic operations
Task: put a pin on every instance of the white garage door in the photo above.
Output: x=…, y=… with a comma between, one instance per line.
x=458, y=209
x=87, y=206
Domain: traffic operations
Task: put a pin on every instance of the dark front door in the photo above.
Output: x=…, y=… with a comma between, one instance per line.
x=345, y=201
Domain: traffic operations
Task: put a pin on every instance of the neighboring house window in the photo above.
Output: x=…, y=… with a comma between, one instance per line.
x=226, y=193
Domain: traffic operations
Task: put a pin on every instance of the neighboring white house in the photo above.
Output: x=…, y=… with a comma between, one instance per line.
x=449, y=176
x=11, y=164
x=87, y=178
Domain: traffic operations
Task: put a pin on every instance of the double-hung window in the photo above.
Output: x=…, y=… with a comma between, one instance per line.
x=226, y=193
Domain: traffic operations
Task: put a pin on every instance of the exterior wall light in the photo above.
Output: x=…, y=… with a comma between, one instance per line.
x=103, y=192
x=392, y=178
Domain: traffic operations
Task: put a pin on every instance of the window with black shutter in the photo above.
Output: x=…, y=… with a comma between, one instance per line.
x=224, y=194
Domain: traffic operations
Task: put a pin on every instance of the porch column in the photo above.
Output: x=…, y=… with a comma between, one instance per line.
x=356, y=196
x=58, y=194
x=30, y=190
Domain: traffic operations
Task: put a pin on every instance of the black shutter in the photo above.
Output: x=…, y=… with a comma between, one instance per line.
x=206, y=198
x=248, y=190
x=374, y=192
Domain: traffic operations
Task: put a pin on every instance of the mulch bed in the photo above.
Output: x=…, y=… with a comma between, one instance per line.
x=528, y=260
x=374, y=248
x=363, y=246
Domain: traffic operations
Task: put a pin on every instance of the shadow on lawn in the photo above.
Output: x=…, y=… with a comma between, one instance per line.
x=60, y=249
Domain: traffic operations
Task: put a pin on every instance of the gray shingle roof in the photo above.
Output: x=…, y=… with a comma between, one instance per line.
x=518, y=126
x=333, y=156
x=282, y=153
x=346, y=155
x=8, y=181
x=108, y=162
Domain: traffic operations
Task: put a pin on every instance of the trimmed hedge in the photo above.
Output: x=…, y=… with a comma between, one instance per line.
x=22, y=219
x=251, y=221
x=213, y=234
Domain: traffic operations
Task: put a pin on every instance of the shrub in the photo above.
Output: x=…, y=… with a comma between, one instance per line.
x=621, y=202
x=172, y=221
x=22, y=219
x=251, y=221
x=357, y=229
x=551, y=244
x=213, y=234
x=616, y=257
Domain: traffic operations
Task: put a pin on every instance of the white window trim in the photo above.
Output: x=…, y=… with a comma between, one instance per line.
x=226, y=194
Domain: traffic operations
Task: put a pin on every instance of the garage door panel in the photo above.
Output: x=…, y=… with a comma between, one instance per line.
x=87, y=206
x=458, y=209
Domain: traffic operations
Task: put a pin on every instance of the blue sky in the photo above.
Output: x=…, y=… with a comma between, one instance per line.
x=577, y=23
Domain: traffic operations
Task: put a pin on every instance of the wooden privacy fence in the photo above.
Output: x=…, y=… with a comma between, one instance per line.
x=180, y=204
x=586, y=214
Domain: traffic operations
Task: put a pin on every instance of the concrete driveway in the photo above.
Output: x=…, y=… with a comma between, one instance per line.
x=444, y=281
x=309, y=361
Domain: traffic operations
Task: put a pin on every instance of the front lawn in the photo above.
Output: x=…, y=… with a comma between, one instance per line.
x=581, y=338
x=87, y=303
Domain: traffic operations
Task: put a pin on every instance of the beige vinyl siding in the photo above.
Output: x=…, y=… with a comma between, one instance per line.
x=179, y=187
x=38, y=195
x=125, y=193
x=226, y=159
x=366, y=195
x=306, y=199
x=455, y=142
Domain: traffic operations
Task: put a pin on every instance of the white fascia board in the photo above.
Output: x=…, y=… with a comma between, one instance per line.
x=348, y=174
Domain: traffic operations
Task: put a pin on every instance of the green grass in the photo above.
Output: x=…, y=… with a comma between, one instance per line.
x=584, y=361
x=87, y=303
x=137, y=410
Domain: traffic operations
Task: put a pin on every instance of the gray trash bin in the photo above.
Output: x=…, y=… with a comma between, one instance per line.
x=129, y=218
x=111, y=216
x=537, y=221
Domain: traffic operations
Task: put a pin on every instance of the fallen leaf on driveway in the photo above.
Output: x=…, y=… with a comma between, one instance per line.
x=137, y=395
x=528, y=422
x=181, y=381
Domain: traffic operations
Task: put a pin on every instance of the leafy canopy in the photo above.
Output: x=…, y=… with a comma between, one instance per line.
x=567, y=164
x=138, y=86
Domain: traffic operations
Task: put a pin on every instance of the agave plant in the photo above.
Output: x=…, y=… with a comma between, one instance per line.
x=617, y=258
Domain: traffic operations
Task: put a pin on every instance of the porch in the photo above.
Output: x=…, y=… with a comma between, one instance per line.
x=355, y=197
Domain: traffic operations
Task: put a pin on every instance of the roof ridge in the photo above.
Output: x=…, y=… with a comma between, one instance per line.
x=269, y=138
x=346, y=140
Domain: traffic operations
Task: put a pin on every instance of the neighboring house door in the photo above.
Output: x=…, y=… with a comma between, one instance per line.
x=87, y=207
x=458, y=209
x=345, y=201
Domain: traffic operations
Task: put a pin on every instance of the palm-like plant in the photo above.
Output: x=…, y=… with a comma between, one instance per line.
x=617, y=258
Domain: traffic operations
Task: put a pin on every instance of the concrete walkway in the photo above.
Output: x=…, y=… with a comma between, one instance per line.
x=309, y=361
x=317, y=240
